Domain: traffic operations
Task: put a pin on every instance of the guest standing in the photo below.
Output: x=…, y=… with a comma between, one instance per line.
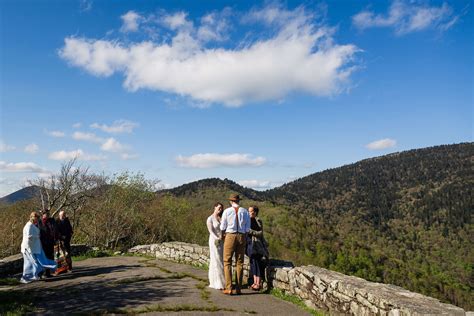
x=65, y=233
x=256, y=249
x=48, y=236
x=34, y=260
x=235, y=225
x=216, y=266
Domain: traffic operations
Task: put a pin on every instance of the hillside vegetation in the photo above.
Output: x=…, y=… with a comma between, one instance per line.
x=404, y=219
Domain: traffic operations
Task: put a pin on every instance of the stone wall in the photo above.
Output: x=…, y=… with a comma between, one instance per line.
x=336, y=292
x=320, y=288
x=11, y=265
x=14, y=264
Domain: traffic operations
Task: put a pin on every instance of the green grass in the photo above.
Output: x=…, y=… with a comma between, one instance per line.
x=205, y=294
x=295, y=300
x=175, y=276
x=9, y=281
x=174, y=308
x=15, y=303
x=154, y=265
x=93, y=254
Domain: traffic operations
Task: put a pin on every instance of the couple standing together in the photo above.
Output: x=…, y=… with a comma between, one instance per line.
x=233, y=231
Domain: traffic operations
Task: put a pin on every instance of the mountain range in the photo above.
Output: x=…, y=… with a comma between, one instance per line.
x=404, y=218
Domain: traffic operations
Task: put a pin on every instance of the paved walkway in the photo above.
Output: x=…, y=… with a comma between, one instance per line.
x=150, y=286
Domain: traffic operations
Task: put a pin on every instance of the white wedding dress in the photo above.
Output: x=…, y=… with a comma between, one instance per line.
x=216, y=265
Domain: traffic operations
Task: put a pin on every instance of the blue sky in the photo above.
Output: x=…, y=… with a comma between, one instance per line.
x=260, y=93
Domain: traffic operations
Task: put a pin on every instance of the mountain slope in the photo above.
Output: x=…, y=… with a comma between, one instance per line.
x=430, y=184
x=21, y=195
x=222, y=188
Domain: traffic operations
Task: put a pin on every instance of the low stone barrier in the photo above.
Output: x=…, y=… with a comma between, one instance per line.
x=14, y=264
x=11, y=265
x=320, y=288
x=336, y=292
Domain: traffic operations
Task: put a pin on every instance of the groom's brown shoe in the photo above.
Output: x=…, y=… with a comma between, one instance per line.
x=227, y=292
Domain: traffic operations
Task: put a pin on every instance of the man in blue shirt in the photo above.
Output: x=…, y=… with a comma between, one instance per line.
x=235, y=224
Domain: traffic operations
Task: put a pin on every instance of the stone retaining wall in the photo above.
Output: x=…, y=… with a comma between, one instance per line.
x=318, y=287
x=14, y=264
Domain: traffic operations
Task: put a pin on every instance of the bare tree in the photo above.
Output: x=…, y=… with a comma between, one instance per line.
x=69, y=189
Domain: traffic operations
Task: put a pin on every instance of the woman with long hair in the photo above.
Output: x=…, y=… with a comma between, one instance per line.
x=257, y=249
x=34, y=259
x=216, y=265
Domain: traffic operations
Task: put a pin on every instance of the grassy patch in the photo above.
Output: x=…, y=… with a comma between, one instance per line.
x=184, y=274
x=93, y=254
x=175, y=308
x=154, y=265
x=295, y=300
x=201, y=266
x=149, y=278
x=205, y=294
x=9, y=281
x=192, y=276
x=15, y=303
x=142, y=255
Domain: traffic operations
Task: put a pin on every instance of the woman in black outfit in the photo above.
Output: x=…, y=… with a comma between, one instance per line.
x=48, y=236
x=256, y=249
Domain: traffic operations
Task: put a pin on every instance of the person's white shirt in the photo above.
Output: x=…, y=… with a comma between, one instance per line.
x=229, y=223
x=31, y=239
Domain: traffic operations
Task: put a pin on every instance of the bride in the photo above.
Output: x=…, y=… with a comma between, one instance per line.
x=216, y=246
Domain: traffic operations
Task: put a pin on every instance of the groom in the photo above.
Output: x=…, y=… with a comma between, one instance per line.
x=235, y=225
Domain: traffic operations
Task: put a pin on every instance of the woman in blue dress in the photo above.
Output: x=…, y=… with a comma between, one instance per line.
x=34, y=259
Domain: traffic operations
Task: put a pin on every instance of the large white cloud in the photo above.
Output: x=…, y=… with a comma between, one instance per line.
x=407, y=17
x=21, y=167
x=213, y=160
x=75, y=154
x=301, y=56
x=381, y=144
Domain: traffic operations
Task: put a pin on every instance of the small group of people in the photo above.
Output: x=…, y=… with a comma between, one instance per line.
x=237, y=232
x=43, y=239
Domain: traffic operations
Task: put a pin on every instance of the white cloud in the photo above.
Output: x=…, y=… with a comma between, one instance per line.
x=31, y=148
x=301, y=56
x=112, y=145
x=407, y=17
x=256, y=184
x=176, y=21
x=120, y=126
x=21, y=167
x=214, y=26
x=75, y=154
x=4, y=147
x=85, y=5
x=212, y=160
x=77, y=125
x=381, y=144
x=131, y=21
x=88, y=137
x=55, y=133
x=128, y=156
